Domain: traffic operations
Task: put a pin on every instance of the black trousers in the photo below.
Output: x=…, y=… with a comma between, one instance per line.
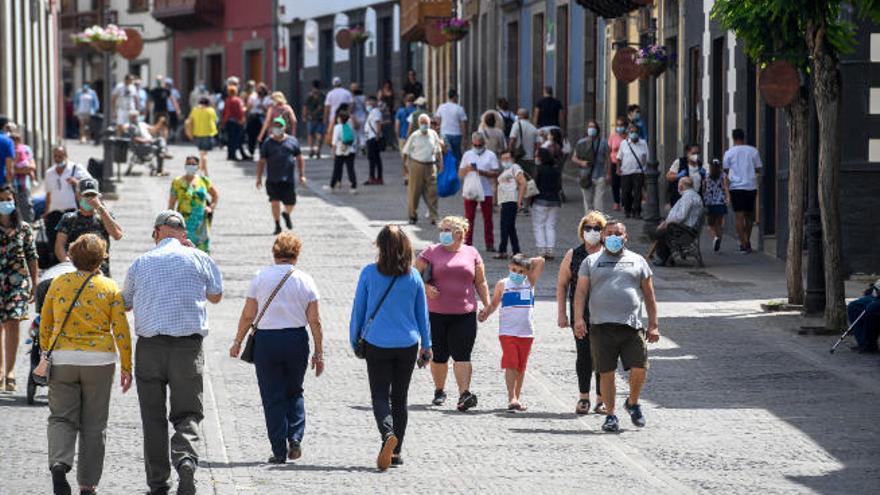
x=348, y=162
x=234, y=136
x=253, y=126
x=390, y=371
x=615, y=186
x=375, y=158
x=508, y=228
x=584, y=365
x=631, y=193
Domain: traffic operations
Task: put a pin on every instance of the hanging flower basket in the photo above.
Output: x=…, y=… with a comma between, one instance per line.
x=455, y=29
x=359, y=35
x=101, y=38
x=652, y=60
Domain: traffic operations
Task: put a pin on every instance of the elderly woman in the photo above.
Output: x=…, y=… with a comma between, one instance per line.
x=455, y=276
x=279, y=108
x=281, y=301
x=83, y=326
x=18, y=278
x=590, y=233
x=195, y=197
x=390, y=314
x=492, y=127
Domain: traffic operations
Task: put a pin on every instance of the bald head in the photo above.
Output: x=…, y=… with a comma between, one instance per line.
x=523, y=114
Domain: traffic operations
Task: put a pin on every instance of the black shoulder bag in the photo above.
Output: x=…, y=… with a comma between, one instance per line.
x=247, y=355
x=519, y=152
x=361, y=349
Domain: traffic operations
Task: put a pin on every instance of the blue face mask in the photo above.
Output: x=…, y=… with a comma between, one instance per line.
x=614, y=243
x=7, y=207
x=85, y=205
x=517, y=278
x=446, y=238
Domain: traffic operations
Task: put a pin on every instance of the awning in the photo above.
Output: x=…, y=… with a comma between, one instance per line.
x=611, y=9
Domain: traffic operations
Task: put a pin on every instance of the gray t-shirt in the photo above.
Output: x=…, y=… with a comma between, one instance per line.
x=616, y=287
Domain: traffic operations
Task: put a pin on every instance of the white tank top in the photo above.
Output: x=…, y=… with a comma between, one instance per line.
x=517, y=304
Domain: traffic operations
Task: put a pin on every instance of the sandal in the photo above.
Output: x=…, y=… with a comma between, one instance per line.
x=582, y=407
x=521, y=408
x=599, y=409
x=10, y=384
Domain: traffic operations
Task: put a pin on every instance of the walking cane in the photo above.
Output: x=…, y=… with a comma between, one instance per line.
x=834, y=347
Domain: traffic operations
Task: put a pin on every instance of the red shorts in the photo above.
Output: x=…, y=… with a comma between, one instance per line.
x=515, y=352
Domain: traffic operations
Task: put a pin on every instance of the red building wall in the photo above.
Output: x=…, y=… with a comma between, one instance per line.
x=247, y=24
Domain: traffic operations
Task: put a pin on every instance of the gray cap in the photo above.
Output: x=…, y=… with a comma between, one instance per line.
x=89, y=186
x=171, y=219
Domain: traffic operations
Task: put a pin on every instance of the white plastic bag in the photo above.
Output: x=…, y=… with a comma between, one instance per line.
x=472, y=188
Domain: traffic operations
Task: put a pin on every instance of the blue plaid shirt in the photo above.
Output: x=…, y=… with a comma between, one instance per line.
x=168, y=286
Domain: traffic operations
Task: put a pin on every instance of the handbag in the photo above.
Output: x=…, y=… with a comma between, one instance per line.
x=531, y=187
x=361, y=349
x=586, y=176
x=247, y=355
x=44, y=368
x=519, y=152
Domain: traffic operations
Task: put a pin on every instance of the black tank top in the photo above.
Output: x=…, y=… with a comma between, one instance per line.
x=578, y=255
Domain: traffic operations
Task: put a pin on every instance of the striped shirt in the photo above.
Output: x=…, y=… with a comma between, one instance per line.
x=167, y=288
x=688, y=210
x=517, y=305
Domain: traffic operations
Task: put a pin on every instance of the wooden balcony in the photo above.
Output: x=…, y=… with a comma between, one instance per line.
x=416, y=15
x=611, y=9
x=78, y=21
x=188, y=14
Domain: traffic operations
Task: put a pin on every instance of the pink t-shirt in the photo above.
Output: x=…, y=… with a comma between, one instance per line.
x=452, y=273
x=614, y=141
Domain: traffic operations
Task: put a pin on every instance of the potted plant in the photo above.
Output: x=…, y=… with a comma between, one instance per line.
x=652, y=59
x=455, y=29
x=104, y=39
x=359, y=35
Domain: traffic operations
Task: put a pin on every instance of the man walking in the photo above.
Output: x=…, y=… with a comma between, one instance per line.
x=373, y=133
x=61, y=184
x=168, y=288
x=422, y=161
x=591, y=156
x=548, y=110
x=314, y=113
x=742, y=163
x=336, y=97
x=523, y=136
x=91, y=217
x=85, y=104
x=277, y=157
x=453, y=122
x=618, y=283
x=633, y=158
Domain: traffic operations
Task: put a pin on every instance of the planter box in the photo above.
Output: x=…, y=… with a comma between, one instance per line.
x=416, y=15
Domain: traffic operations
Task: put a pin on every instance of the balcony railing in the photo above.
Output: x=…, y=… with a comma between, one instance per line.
x=415, y=15
x=610, y=9
x=188, y=14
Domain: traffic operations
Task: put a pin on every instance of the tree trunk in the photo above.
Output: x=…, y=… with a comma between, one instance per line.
x=797, y=116
x=827, y=94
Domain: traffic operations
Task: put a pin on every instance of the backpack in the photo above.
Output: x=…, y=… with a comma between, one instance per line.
x=448, y=182
x=347, y=134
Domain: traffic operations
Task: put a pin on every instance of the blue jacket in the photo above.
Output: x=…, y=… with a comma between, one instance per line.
x=402, y=321
x=95, y=103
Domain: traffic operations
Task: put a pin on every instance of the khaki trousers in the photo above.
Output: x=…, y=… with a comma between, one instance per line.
x=79, y=403
x=422, y=183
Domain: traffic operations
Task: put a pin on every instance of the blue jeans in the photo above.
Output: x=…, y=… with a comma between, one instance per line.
x=454, y=141
x=867, y=329
x=281, y=358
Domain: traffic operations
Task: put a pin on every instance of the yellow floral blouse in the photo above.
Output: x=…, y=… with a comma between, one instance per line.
x=97, y=323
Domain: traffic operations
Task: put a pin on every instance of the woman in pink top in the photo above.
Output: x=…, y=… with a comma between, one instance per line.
x=614, y=140
x=454, y=276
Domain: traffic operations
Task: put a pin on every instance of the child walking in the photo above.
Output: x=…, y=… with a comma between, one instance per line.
x=511, y=193
x=516, y=296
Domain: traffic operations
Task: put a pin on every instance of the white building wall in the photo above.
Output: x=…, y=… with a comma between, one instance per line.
x=157, y=44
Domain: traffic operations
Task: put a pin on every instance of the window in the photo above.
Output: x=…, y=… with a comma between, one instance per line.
x=138, y=5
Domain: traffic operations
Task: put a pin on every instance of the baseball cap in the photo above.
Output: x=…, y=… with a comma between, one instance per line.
x=280, y=121
x=337, y=81
x=420, y=101
x=88, y=186
x=171, y=219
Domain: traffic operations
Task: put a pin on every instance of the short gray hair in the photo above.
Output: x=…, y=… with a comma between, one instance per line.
x=478, y=136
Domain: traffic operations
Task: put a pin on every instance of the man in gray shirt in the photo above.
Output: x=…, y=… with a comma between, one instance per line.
x=616, y=275
x=686, y=214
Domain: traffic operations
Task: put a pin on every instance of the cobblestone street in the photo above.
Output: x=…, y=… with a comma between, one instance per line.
x=736, y=400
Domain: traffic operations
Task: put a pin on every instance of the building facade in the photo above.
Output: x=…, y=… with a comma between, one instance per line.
x=215, y=39
x=29, y=93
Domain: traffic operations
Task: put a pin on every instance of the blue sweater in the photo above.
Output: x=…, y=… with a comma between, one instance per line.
x=402, y=321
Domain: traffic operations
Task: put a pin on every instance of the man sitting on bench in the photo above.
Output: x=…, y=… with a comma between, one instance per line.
x=686, y=214
x=867, y=329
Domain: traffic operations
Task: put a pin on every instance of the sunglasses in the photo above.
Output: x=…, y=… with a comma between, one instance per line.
x=595, y=228
x=445, y=229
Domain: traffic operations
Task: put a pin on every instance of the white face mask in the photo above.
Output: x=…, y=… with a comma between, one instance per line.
x=277, y=131
x=191, y=169
x=694, y=158
x=592, y=237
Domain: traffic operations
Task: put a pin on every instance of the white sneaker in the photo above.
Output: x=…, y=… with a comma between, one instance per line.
x=325, y=187
x=353, y=191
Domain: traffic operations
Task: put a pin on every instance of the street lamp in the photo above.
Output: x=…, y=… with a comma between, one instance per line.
x=651, y=211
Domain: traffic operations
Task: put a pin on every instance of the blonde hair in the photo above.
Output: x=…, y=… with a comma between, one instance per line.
x=592, y=217
x=458, y=224
x=286, y=246
x=88, y=252
x=278, y=97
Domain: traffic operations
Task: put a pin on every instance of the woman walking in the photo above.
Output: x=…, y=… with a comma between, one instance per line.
x=614, y=141
x=201, y=126
x=281, y=300
x=83, y=325
x=716, y=198
x=390, y=314
x=546, y=205
x=195, y=197
x=455, y=276
x=590, y=232
x=18, y=280
x=256, y=111
x=344, y=144
x=279, y=108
